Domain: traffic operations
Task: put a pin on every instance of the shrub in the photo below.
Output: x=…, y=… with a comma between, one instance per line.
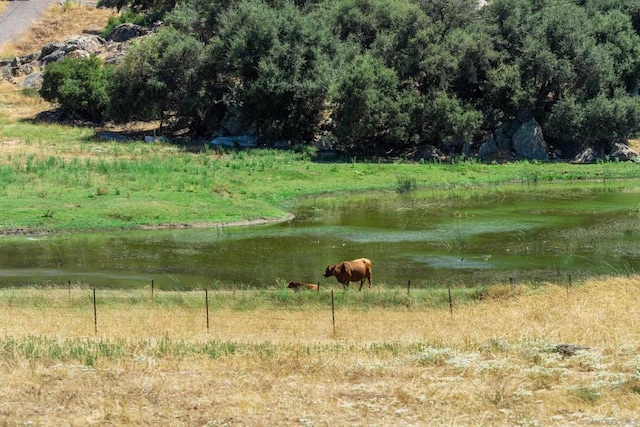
x=78, y=86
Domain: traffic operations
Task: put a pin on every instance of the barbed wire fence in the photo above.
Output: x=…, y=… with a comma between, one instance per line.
x=95, y=306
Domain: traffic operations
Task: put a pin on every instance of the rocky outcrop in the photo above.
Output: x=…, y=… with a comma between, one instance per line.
x=81, y=46
x=623, y=153
x=125, y=32
x=110, y=50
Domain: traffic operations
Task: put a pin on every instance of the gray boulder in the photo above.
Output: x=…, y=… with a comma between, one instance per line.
x=33, y=81
x=54, y=56
x=87, y=42
x=81, y=46
x=126, y=32
x=49, y=48
x=623, y=153
x=488, y=147
x=588, y=155
x=528, y=142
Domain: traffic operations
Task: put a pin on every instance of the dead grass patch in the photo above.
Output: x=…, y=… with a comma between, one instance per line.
x=495, y=362
x=16, y=105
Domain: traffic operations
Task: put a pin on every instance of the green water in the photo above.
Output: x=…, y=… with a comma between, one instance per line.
x=459, y=237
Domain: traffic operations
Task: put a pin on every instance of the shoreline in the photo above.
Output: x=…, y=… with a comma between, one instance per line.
x=170, y=226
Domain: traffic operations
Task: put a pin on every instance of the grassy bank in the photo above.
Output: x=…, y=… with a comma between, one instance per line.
x=62, y=178
x=57, y=178
x=543, y=356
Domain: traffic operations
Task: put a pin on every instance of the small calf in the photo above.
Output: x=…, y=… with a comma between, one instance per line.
x=297, y=285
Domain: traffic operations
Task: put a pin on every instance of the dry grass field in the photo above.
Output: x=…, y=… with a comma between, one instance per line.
x=525, y=356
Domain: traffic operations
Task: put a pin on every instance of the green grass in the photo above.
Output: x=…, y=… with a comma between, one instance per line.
x=61, y=179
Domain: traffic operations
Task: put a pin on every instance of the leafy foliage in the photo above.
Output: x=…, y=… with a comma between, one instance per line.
x=386, y=74
x=154, y=83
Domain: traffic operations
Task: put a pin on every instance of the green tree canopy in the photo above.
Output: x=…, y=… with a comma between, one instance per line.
x=157, y=80
x=384, y=74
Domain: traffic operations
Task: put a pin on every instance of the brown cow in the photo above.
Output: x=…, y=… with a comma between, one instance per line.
x=351, y=271
x=297, y=285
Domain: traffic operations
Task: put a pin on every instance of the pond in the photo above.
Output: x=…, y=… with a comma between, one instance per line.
x=458, y=237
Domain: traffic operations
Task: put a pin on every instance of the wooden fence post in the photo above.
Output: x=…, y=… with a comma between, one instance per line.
x=95, y=312
x=408, y=287
x=152, y=288
x=450, y=302
x=206, y=302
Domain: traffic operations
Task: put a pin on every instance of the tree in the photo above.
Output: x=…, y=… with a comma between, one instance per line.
x=198, y=18
x=157, y=80
x=371, y=111
x=79, y=86
x=273, y=63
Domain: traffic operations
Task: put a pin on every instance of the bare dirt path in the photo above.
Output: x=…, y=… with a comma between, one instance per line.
x=18, y=15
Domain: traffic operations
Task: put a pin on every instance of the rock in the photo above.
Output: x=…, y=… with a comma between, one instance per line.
x=622, y=152
x=87, y=42
x=83, y=45
x=33, y=81
x=502, y=140
x=428, y=153
x=126, y=32
x=114, y=52
x=237, y=141
x=588, y=155
x=487, y=147
x=528, y=142
x=49, y=48
x=54, y=56
x=78, y=54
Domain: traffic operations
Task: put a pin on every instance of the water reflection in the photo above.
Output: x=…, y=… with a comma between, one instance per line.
x=429, y=238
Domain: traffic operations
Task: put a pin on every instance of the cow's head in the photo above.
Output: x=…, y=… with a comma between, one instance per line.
x=294, y=286
x=330, y=271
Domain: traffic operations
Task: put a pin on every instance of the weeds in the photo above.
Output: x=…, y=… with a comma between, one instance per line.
x=587, y=395
x=405, y=185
